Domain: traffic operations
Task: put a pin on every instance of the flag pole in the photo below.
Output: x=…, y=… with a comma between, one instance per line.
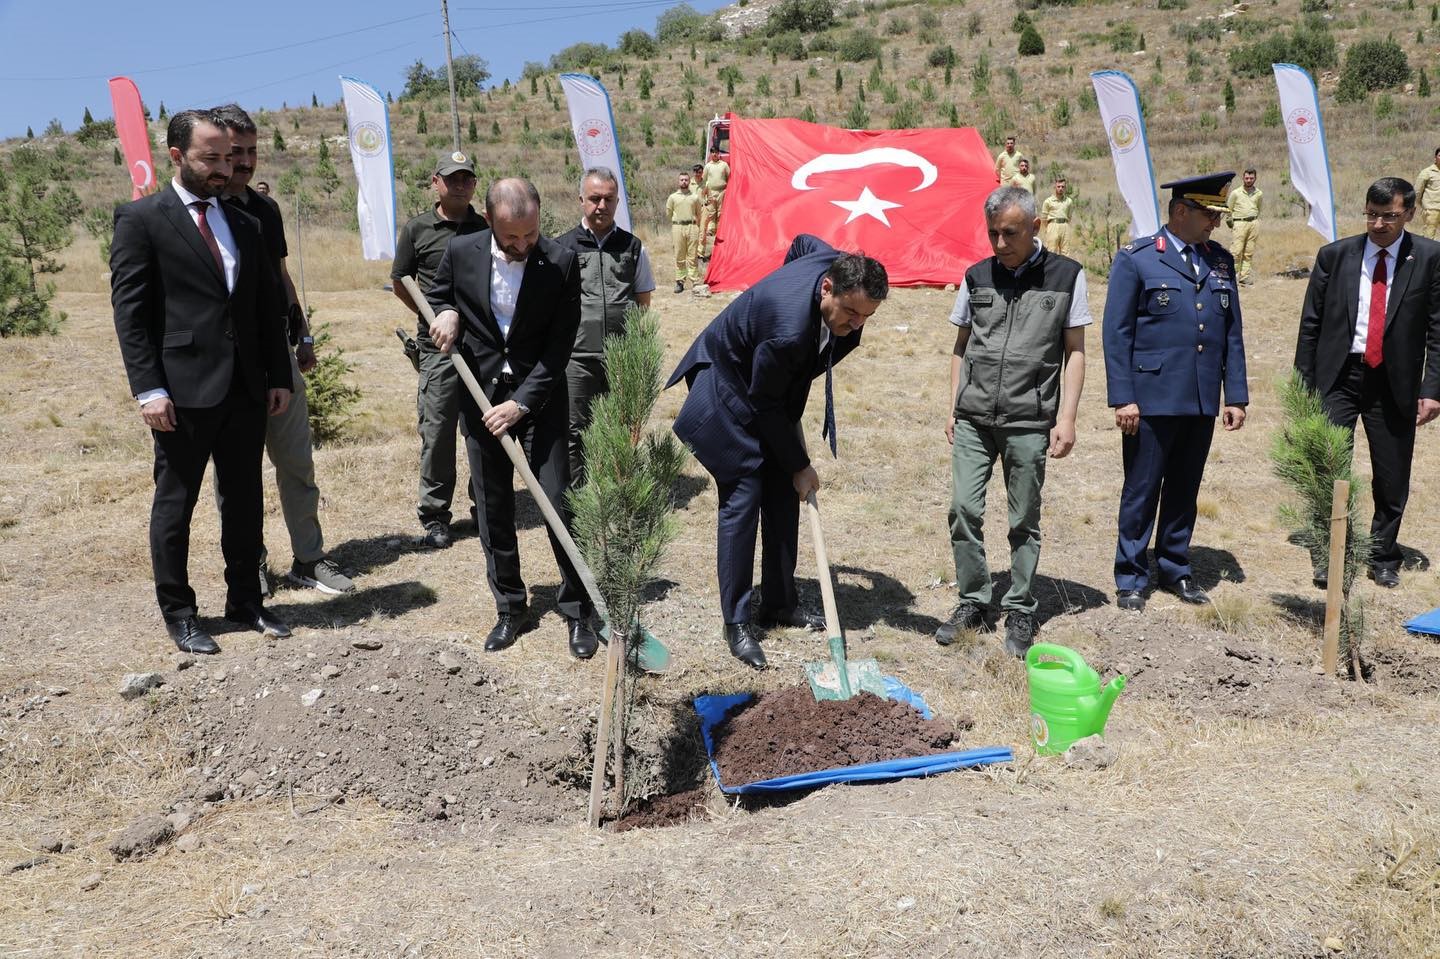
x=300, y=254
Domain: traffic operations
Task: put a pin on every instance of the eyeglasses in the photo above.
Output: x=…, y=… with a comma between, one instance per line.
x=1386, y=218
x=1212, y=215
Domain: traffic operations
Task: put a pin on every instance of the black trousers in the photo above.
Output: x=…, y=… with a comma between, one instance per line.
x=763, y=500
x=1364, y=394
x=544, y=437
x=1164, y=463
x=233, y=435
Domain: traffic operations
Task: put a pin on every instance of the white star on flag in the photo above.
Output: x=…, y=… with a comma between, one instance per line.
x=868, y=204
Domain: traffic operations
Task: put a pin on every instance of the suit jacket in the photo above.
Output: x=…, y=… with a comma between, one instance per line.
x=547, y=314
x=1172, y=340
x=179, y=328
x=749, y=371
x=1412, y=318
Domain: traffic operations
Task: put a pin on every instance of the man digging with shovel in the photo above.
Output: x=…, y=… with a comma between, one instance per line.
x=749, y=376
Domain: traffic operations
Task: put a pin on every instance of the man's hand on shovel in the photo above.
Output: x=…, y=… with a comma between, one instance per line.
x=806, y=482
x=445, y=331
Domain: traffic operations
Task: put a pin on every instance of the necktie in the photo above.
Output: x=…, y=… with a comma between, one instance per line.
x=201, y=208
x=828, y=430
x=1375, y=331
x=1187, y=254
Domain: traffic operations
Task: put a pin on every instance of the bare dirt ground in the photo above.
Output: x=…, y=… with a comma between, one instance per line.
x=429, y=802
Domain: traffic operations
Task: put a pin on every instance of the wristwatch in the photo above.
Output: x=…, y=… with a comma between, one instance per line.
x=524, y=410
x=307, y=341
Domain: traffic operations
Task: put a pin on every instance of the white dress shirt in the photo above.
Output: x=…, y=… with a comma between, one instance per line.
x=1367, y=271
x=505, y=280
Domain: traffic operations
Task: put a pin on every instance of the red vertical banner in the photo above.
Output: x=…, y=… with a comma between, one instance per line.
x=134, y=135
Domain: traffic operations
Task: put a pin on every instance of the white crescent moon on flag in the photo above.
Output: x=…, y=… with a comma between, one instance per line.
x=828, y=162
x=149, y=175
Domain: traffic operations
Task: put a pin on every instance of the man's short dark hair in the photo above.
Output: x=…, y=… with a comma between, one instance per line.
x=260, y=183
x=1251, y=171
x=1384, y=191
x=182, y=127
x=514, y=194
x=233, y=117
x=856, y=271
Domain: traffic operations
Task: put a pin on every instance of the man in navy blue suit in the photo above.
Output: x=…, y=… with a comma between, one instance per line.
x=749, y=376
x=1172, y=339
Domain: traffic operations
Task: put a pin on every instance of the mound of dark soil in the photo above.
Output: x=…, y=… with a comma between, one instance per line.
x=786, y=733
x=421, y=728
x=672, y=810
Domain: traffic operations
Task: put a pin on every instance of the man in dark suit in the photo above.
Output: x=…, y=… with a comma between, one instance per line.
x=749, y=376
x=1370, y=344
x=509, y=300
x=199, y=324
x=1172, y=339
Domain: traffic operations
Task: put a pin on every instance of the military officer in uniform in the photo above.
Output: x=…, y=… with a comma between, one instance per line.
x=1427, y=188
x=1022, y=177
x=1007, y=162
x=683, y=208
x=1242, y=216
x=1172, y=342
x=1055, y=218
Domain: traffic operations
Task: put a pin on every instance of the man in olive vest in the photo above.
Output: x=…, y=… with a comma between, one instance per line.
x=1015, y=380
x=1242, y=216
x=683, y=209
x=615, y=274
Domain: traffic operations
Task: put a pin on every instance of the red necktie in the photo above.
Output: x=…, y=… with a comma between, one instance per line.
x=1375, y=331
x=208, y=235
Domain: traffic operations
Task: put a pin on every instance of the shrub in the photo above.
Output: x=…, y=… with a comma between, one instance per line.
x=680, y=22
x=804, y=16
x=1031, y=44
x=788, y=45
x=942, y=57
x=1374, y=65
x=1125, y=38
x=897, y=26
x=1061, y=114
x=859, y=116
x=907, y=116
x=1310, y=46
x=859, y=45
x=1021, y=21
x=825, y=42
x=638, y=44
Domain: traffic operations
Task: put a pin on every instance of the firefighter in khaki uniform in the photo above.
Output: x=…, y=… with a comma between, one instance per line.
x=1243, y=218
x=1055, y=214
x=712, y=190
x=1427, y=188
x=1007, y=162
x=1023, y=178
x=683, y=208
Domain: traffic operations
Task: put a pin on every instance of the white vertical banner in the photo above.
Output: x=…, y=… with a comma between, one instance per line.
x=369, y=124
x=1305, y=133
x=1124, y=121
x=593, y=123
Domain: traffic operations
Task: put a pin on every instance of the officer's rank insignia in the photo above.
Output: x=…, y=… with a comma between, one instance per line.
x=1130, y=247
x=1224, y=301
x=1162, y=298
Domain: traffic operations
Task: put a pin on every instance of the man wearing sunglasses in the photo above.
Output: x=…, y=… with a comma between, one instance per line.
x=1172, y=341
x=1370, y=344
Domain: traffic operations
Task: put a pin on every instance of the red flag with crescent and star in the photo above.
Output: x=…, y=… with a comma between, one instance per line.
x=913, y=199
x=134, y=135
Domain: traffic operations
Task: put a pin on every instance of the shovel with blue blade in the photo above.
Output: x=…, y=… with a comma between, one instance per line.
x=837, y=677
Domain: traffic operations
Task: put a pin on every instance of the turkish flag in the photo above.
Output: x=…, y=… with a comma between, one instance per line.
x=912, y=199
x=134, y=135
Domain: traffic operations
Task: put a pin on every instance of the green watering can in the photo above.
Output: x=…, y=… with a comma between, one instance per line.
x=1066, y=700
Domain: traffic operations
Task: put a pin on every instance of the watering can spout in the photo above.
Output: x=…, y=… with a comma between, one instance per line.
x=1108, y=693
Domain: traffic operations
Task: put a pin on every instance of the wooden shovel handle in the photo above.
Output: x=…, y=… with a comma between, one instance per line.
x=822, y=563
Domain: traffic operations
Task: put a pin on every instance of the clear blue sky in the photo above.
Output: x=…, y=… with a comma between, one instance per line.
x=56, y=55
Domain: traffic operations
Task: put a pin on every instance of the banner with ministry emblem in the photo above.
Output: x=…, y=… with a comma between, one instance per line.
x=593, y=123
x=369, y=125
x=913, y=199
x=1305, y=134
x=1119, y=104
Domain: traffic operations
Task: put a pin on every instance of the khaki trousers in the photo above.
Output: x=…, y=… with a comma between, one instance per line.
x=1057, y=237
x=1242, y=246
x=687, y=247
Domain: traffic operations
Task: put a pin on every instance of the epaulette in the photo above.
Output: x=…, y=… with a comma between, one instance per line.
x=1139, y=244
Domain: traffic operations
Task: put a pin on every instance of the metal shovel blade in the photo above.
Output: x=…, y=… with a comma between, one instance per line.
x=838, y=678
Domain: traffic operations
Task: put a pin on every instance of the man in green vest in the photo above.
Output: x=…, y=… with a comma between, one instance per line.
x=615, y=275
x=1015, y=380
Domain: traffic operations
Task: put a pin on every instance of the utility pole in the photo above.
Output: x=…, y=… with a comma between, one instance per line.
x=450, y=75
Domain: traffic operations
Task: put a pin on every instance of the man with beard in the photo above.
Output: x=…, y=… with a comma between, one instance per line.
x=287, y=436
x=200, y=331
x=509, y=301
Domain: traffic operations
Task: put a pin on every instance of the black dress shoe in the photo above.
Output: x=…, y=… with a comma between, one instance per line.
x=190, y=638
x=789, y=619
x=745, y=645
x=508, y=627
x=583, y=641
x=1185, y=588
x=1131, y=599
x=259, y=619
x=1386, y=576
x=1321, y=578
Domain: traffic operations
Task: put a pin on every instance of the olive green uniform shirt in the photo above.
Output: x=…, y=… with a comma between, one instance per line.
x=717, y=175
x=1007, y=164
x=1056, y=208
x=1243, y=204
x=1427, y=187
x=1025, y=181
x=682, y=207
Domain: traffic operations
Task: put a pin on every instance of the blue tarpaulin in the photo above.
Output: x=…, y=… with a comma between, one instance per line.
x=1428, y=623
x=712, y=711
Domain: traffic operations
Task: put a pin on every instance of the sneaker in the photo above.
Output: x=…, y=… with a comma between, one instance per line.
x=267, y=582
x=1020, y=629
x=966, y=616
x=437, y=535
x=323, y=575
